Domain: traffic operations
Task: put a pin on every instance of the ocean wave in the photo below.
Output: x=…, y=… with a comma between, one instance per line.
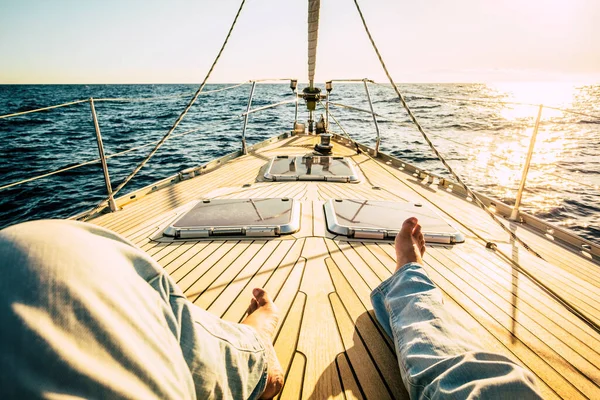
x=17, y=122
x=68, y=132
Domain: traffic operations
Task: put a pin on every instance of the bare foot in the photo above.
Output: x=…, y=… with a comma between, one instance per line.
x=263, y=316
x=410, y=243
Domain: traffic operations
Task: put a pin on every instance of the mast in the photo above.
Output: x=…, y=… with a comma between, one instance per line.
x=311, y=94
x=313, y=34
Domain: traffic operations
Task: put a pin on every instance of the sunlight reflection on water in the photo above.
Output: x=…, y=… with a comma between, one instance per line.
x=482, y=137
x=503, y=159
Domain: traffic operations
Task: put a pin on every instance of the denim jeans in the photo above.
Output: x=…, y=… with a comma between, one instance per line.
x=438, y=357
x=85, y=313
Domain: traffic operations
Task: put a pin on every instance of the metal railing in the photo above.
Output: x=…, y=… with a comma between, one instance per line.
x=375, y=116
x=515, y=214
x=98, y=136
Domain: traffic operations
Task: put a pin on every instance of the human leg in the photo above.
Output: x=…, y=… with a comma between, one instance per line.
x=438, y=357
x=86, y=313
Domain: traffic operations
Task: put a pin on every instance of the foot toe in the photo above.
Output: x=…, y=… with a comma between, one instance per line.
x=408, y=226
x=261, y=296
x=417, y=232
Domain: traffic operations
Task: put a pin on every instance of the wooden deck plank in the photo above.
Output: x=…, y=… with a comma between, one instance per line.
x=306, y=225
x=453, y=208
x=179, y=194
x=173, y=265
x=163, y=201
x=164, y=251
x=319, y=338
x=232, y=291
x=209, y=278
x=372, y=384
x=284, y=283
x=349, y=384
x=560, y=280
x=327, y=338
x=226, y=274
x=191, y=263
x=486, y=313
x=294, y=383
x=378, y=345
x=473, y=322
x=558, y=254
x=531, y=299
x=186, y=282
x=366, y=272
x=381, y=270
x=181, y=248
x=318, y=219
x=238, y=307
x=530, y=326
x=287, y=339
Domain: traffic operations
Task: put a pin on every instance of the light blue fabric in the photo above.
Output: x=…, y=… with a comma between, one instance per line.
x=85, y=313
x=438, y=357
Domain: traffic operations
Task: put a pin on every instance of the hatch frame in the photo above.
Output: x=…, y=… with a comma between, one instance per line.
x=201, y=231
x=351, y=177
x=335, y=226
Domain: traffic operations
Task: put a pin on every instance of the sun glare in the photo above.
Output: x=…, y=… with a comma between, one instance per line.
x=522, y=98
x=501, y=157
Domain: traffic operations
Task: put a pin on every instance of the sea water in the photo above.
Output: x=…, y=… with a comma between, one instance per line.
x=478, y=128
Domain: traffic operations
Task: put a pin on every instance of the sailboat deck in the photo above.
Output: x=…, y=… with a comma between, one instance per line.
x=328, y=340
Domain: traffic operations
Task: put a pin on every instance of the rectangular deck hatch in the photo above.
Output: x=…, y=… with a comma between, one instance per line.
x=237, y=217
x=311, y=168
x=369, y=219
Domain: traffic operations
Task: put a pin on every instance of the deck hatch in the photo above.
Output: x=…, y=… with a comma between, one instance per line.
x=311, y=168
x=369, y=219
x=237, y=217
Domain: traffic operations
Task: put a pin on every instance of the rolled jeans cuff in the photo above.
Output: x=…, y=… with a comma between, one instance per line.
x=380, y=292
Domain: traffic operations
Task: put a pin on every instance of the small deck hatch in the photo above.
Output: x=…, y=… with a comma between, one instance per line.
x=237, y=217
x=369, y=219
x=311, y=168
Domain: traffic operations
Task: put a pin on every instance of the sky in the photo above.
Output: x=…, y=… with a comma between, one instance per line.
x=176, y=41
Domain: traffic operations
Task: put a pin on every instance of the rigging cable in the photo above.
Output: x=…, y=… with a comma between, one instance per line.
x=434, y=149
x=179, y=119
x=475, y=100
x=176, y=96
x=44, y=108
x=386, y=118
x=70, y=167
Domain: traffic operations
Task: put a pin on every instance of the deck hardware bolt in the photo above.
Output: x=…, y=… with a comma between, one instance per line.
x=491, y=245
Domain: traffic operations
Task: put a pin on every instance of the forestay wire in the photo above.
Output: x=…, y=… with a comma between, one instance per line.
x=179, y=119
x=435, y=150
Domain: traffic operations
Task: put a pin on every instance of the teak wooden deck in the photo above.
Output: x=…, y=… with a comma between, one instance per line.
x=328, y=341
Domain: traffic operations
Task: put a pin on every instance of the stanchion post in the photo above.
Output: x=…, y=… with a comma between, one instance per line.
x=244, y=147
x=111, y=200
x=378, y=140
x=515, y=211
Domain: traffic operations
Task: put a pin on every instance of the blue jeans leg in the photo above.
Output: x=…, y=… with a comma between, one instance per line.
x=85, y=313
x=438, y=357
